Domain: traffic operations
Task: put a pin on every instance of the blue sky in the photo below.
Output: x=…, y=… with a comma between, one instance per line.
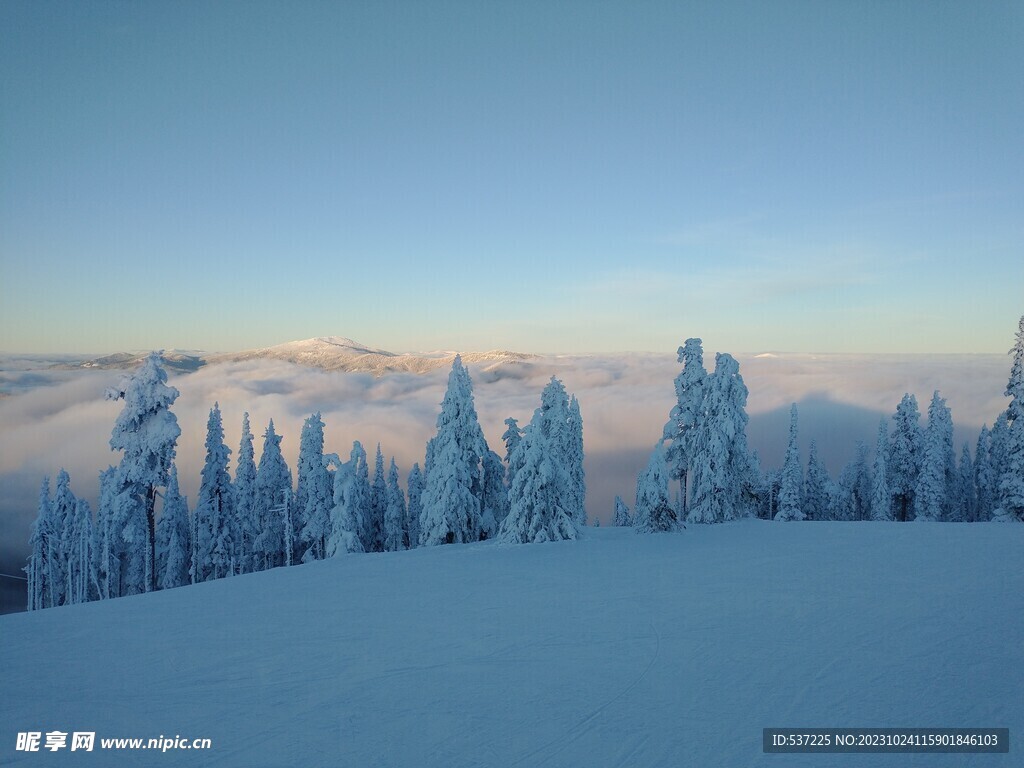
x=575, y=177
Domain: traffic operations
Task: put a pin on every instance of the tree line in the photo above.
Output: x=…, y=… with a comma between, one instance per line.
x=260, y=519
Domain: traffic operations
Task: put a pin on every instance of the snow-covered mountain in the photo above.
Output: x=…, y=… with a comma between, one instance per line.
x=613, y=650
x=337, y=353
x=329, y=353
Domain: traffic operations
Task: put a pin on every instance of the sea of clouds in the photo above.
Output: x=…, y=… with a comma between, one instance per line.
x=56, y=418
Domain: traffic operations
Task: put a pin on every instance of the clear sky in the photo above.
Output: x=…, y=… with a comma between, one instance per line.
x=576, y=177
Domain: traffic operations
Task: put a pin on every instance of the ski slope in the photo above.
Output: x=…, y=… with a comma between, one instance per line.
x=614, y=650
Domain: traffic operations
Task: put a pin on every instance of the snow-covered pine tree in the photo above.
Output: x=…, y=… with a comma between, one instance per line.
x=495, y=496
x=653, y=512
x=513, y=434
x=109, y=541
x=881, y=498
x=394, y=514
x=686, y=415
x=984, y=478
x=536, y=513
x=245, y=499
x=964, y=510
x=575, y=462
x=173, y=537
x=936, y=468
x=310, y=463
x=451, y=494
x=1010, y=482
x=554, y=423
x=317, y=516
x=855, y=484
x=273, y=492
x=414, y=508
x=351, y=500
x=146, y=432
x=215, y=523
x=792, y=480
x=40, y=580
x=721, y=461
x=621, y=517
x=60, y=545
x=82, y=585
x=904, y=458
x=374, y=533
x=816, y=486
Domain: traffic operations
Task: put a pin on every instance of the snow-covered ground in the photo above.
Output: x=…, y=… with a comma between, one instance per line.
x=617, y=649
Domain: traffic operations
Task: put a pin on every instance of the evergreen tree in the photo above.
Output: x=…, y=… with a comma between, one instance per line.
x=41, y=542
x=82, y=585
x=215, y=524
x=394, y=515
x=791, y=481
x=273, y=492
x=109, y=547
x=1010, y=480
x=574, y=450
x=815, y=487
x=687, y=414
x=373, y=537
x=653, y=512
x=414, y=508
x=451, y=495
x=60, y=544
x=903, y=463
x=495, y=497
x=984, y=477
x=351, y=502
x=173, y=537
x=512, y=437
x=621, y=517
x=722, y=479
x=881, y=498
x=537, y=494
x=855, y=485
x=310, y=465
x=934, y=485
x=317, y=516
x=146, y=432
x=245, y=499
x=965, y=508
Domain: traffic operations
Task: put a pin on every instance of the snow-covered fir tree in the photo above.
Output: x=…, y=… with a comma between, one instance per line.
x=964, y=508
x=935, y=478
x=881, y=498
x=109, y=548
x=686, y=415
x=82, y=585
x=62, y=514
x=512, y=437
x=454, y=483
x=351, y=502
x=215, y=522
x=494, y=504
x=997, y=453
x=621, y=517
x=653, y=512
x=792, y=480
x=374, y=533
x=414, y=508
x=43, y=544
x=394, y=514
x=855, y=485
x=538, y=492
x=173, y=537
x=244, y=489
x=721, y=462
x=310, y=465
x=146, y=432
x=902, y=466
x=984, y=478
x=317, y=514
x=574, y=450
x=816, y=487
x=1010, y=480
x=273, y=492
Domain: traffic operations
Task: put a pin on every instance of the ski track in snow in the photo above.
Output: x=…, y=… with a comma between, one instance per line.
x=614, y=650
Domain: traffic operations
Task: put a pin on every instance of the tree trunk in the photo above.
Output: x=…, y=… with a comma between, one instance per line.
x=151, y=525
